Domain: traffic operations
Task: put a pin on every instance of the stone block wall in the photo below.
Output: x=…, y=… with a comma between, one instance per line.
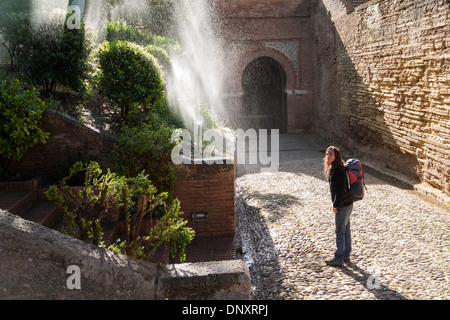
x=35, y=261
x=382, y=85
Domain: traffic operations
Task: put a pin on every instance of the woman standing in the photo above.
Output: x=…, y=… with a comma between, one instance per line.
x=336, y=174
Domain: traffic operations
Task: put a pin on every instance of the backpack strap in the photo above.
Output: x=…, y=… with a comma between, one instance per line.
x=348, y=178
x=364, y=181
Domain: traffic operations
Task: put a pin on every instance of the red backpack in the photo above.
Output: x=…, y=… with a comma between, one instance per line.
x=355, y=178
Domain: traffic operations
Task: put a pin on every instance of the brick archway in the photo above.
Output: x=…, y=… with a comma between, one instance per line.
x=264, y=95
x=262, y=51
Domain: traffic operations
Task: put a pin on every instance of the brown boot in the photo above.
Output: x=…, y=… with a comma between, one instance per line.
x=334, y=263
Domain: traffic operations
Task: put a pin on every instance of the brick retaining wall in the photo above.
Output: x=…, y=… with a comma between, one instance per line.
x=210, y=188
x=69, y=142
x=198, y=187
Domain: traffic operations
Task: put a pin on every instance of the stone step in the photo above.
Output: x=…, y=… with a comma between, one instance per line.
x=43, y=212
x=29, y=185
x=16, y=201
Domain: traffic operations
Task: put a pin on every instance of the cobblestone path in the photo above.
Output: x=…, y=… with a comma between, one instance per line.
x=401, y=238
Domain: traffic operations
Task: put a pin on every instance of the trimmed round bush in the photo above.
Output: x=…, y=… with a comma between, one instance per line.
x=121, y=31
x=128, y=75
x=161, y=56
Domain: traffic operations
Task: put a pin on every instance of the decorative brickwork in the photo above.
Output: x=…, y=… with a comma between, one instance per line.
x=289, y=49
x=279, y=30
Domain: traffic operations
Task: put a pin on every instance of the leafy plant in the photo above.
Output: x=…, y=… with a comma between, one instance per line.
x=56, y=55
x=168, y=230
x=20, y=112
x=161, y=56
x=120, y=30
x=166, y=43
x=85, y=207
x=163, y=112
x=129, y=76
x=146, y=147
x=162, y=20
x=14, y=26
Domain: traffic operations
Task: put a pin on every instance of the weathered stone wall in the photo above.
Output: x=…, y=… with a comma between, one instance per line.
x=382, y=83
x=34, y=262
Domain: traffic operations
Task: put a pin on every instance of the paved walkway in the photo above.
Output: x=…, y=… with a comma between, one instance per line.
x=401, y=239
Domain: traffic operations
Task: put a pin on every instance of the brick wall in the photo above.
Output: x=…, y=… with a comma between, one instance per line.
x=69, y=141
x=198, y=187
x=382, y=83
x=277, y=29
x=210, y=188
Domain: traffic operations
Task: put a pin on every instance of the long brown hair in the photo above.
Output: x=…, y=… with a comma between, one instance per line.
x=338, y=161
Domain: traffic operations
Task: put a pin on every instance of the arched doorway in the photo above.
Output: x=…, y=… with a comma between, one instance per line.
x=264, y=99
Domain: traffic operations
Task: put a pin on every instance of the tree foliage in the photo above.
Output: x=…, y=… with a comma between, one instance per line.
x=20, y=112
x=14, y=26
x=128, y=75
x=85, y=207
x=121, y=31
x=56, y=55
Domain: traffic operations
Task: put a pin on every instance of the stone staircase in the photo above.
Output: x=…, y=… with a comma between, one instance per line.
x=27, y=200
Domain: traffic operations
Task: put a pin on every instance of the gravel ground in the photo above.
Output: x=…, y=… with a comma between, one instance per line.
x=401, y=238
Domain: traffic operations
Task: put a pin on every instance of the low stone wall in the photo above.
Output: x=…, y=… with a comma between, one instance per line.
x=41, y=263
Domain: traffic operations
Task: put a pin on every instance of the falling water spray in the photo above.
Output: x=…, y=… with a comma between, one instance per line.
x=197, y=77
x=48, y=17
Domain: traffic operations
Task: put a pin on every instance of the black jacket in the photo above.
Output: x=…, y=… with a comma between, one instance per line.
x=338, y=187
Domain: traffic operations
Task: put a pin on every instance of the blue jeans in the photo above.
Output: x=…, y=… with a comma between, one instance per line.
x=343, y=236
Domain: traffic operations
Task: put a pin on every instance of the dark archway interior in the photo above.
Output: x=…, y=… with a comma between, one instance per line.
x=264, y=99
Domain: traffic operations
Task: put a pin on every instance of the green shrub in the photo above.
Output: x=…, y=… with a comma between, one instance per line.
x=161, y=19
x=121, y=31
x=140, y=199
x=20, y=112
x=128, y=75
x=53, y=56
x=14, y=26
x=165, y=113
x=147, y=148
x=166, y=43
x=161, y=56
x=84, y=209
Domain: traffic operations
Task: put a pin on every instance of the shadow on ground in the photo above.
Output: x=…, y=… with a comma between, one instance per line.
x=255, y=244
